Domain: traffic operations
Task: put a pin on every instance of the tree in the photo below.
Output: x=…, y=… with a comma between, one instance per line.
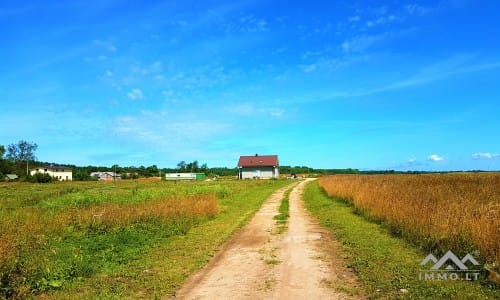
x=152, y=171
x=2, y=151
x=192, y=166
x=181, y=165
x=22, y=151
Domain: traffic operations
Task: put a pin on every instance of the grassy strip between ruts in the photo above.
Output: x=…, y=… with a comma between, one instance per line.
x=164, y=266
x=284, y=212
x=388, y=266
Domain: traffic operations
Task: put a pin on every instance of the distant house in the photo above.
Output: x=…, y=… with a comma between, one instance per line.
x=184, y=176
x=58, y=172
x=105, y=176
x=11, y=177
x=258, y=166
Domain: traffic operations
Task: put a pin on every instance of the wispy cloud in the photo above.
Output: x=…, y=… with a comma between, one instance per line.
x=381, y=21
x=355, y=18
x=251, y=110
x=437, y=71
x=105, y=45
x=435, y=158
x=455, y=65
x=250, y=23
x=135, y=94
x=175, y=134
x=416, y=9
x=363, y=42
x=485, y=155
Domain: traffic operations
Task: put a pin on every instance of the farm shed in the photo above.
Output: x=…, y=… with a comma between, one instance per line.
x=58, y=172
x=11, y=177
x=105, y=176
x=258, y=166
x=184, y=176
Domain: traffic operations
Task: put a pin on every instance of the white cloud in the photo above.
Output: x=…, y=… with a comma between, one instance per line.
x=276, y=112
x=435, y=157
x=345, y=46
x=108, y=46
x=135, y=94
x=455, y=65
x=247, y=24
x=412, y=160
x=363, y=42
x=154, y=68
x=354, y=18
x=381, y=21
x=485, y=155
x=309, y=68
x=252, y=109
x=415, y=9
x=161, y=129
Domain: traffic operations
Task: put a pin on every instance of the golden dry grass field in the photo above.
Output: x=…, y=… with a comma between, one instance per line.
x=437, y=212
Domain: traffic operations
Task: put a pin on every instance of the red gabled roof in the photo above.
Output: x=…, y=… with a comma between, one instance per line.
x=258, y=161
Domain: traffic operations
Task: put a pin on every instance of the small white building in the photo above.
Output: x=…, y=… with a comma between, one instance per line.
x=258, y=167
x=184, y=176
x=58, y=172
x=105, y=176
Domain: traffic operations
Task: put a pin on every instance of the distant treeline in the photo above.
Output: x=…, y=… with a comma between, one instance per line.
x=82, y=173
x=18, y=158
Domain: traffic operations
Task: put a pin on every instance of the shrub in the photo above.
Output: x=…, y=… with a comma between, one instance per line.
x=40, y=178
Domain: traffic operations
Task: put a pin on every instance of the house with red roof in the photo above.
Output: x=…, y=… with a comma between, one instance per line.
x=258, y=167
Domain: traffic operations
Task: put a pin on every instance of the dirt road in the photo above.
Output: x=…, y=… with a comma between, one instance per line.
x=260, y=263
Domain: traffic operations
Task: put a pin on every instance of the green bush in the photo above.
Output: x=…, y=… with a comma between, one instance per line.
x=40, y=178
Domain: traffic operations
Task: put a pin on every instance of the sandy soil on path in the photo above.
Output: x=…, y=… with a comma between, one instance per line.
x=259, y=263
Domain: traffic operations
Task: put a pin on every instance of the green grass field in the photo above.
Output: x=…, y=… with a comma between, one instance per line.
x=118, y=240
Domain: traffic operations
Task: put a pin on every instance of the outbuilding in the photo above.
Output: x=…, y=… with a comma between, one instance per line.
x=11, y=177
x=184, y=176
x=105, y=176
x=258, y=167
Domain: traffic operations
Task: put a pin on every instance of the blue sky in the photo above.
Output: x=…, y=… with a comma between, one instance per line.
x=403, y=85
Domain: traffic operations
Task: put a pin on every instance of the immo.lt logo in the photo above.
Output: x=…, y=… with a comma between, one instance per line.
x=450, y=267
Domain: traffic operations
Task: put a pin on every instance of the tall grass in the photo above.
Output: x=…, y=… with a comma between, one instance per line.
x=438, y=212
x=54, y=234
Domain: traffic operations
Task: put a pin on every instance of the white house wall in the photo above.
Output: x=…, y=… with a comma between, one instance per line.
x=259, y=172
x=180, y=176
x=63, y=175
